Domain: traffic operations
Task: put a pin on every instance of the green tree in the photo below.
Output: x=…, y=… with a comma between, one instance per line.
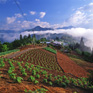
x=20, y=37
x=4, y=48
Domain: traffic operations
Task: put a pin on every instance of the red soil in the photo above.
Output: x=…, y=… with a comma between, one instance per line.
x=69, y=66
x=19, y=88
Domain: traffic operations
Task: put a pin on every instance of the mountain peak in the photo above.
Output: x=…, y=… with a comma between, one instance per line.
x=38, y=28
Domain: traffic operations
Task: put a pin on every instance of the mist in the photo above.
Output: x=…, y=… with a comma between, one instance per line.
x=75, y=32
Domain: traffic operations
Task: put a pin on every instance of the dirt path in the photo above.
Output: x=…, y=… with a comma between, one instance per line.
x=20, y=52
x=70, y=66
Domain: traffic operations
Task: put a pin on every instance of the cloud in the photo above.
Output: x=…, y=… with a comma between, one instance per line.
x=42, y=14
x=38, y=20
x=82, y=17
x=75, y=32
x=10, y=19
x=18, y=15
x=32, y=12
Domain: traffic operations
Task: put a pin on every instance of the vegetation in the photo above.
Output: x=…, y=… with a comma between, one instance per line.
x=51, y=50
x=7, y=52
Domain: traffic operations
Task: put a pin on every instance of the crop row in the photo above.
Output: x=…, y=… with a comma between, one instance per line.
x=20, y=71
x=39, y=57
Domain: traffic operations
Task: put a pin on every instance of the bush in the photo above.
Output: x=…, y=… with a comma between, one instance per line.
x=78, y=51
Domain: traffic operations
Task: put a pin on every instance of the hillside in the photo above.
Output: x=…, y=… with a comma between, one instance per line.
x=35, y=68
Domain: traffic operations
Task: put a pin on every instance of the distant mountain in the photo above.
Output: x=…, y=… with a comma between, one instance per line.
x=38, y=28
x=66, y=27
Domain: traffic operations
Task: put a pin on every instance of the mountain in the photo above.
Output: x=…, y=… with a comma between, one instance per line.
x=38, y=28
x=66, y=27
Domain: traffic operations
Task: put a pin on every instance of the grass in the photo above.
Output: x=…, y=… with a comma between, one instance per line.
x=51, y=50
x=7, y=52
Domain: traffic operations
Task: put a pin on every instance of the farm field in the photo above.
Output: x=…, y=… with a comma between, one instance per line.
x=40, y=70
x=70, y=66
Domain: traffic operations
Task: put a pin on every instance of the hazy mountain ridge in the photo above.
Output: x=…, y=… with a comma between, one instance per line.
x=38, y=28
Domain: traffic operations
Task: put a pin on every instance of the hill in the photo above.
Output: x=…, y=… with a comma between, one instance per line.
x=38, y=28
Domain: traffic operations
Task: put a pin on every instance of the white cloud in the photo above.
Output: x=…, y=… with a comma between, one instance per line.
x=37, y=20
x=11, y=20
x=83, y=17
x=32, y=12
x=18, y=15
x=42, y=14
x=75, y=32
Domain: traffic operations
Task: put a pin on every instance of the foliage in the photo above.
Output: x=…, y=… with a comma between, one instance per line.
x=37, y=76
x=41, y=90
x=45, y=80
x=36, y=82
x=50, y=83
x=51, y=50
x=12, y=75
x=4, y=48
x=78, y=51
x=18, y=79
x=7, y=52
x=63, y=84
x=31, y=78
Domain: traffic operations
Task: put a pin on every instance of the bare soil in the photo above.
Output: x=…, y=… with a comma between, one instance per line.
x=70, y=66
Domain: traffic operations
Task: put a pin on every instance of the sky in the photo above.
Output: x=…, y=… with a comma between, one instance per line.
x=47, y=13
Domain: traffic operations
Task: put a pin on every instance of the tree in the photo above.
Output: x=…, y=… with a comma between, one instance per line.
x=20, y=37
x=0, y=46
x=16, y=44
x=4, y=48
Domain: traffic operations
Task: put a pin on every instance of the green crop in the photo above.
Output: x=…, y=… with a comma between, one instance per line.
x=37, y=76
x=31, y=78
x=18, y=79
x=36, y=82
x=45, y=80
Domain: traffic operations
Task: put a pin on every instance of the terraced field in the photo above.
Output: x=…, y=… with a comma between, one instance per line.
x=38, y=67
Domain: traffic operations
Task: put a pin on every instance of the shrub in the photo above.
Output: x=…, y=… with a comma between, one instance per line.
x=78, y=51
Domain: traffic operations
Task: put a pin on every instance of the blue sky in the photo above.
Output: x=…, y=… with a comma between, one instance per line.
x=46, y=13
